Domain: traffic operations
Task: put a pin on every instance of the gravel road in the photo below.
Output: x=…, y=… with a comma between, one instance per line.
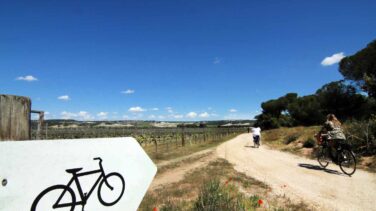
x=300, y=178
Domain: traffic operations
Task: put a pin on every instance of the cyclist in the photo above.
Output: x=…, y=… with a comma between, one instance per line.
x=256, y=133
x=332, y=131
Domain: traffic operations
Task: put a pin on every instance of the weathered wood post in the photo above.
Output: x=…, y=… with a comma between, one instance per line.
x=14, y=117
x=40, y=122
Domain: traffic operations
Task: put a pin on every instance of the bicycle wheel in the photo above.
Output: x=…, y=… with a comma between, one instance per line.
x=347, y=161
x=47, y=199
x=322, y=158
x=110, y=193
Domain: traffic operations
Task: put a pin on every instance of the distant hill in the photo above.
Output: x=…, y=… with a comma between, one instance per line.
x=70, y=123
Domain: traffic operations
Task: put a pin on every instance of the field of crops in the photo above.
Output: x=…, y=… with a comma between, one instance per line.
x=156, y=141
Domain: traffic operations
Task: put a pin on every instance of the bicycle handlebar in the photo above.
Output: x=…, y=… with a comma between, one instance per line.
x=98, y=158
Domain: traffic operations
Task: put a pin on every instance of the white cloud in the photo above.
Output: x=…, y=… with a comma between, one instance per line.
x=191, y=114
x=169, y=110
x=136, y=109
x=178, y=116
x=64, y=97
x=85, y=115
x=335, y=58
x=47, y=113
x=214, y=114
x=236, y=116
x=26, y=78
x=82, y=115
x=161, y=117
x=155, y=109
x=233, y=110
x=217, y=60
x=102, y=115
x=152, y=116
x=204, y=115
x=67, y=115
x=128, y=91
x=125, y=117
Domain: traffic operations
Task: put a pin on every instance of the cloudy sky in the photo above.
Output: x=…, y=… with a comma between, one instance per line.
x=174, y=60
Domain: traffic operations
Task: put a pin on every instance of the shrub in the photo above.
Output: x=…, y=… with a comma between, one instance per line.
x=361, y=135
x=214, y=196
x=309, y=143
x=291, y=138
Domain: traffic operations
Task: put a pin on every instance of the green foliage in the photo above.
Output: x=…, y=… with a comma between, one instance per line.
x=309, y=143
x=214, y=196
x=266, y=121
x=337, y=97
x=276, y=107
x=254, y=201
x=341, y=99
x=361, y=135
x=291, y=138
x=306, y=110
x=361, y=68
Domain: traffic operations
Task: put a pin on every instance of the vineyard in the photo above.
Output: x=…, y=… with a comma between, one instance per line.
x=159, y=143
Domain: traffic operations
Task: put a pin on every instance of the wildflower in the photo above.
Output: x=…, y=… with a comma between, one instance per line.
x=155, y=209
x=260, y=202
x=229, y=180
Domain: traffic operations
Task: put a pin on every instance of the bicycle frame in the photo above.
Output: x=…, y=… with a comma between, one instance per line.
x=84, y=197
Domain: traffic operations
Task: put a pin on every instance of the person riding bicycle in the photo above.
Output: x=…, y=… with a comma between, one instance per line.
x=256, y=133
x=332, y=131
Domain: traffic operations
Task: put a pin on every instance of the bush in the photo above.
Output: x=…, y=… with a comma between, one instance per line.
x=361, y=135
x=214, y=196
x=309, y=143
x=291, y=138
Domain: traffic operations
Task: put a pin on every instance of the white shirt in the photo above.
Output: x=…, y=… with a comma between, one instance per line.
x=256, y=131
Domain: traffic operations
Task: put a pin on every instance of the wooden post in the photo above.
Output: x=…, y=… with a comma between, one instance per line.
x=40, y=123
x=182, y=137
x=14, y=117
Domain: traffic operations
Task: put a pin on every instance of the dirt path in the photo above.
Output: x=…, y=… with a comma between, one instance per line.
x=177, y=174
x=300, y=178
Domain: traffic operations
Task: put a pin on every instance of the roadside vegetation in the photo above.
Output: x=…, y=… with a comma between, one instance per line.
x=300, y=141
x=159, y=143
x=217, y=187
x=352, y=100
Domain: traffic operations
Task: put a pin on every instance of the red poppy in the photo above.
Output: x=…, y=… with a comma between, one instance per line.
x=229, y=180
x=155, y=209
x=260, y=202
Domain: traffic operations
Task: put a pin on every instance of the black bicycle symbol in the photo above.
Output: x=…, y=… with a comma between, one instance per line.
x=111, y=178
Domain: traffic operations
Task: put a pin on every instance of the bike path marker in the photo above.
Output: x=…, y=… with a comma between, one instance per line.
x=27, y=168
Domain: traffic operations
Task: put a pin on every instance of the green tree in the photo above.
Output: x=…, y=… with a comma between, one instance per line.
x=342, y=100
x=361, y=68
x=277, y=106
x=306, y=110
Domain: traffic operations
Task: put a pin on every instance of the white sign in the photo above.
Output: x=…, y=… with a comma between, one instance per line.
x=103, y=174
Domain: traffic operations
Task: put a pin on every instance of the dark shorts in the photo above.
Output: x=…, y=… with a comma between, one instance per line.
x=256, y=138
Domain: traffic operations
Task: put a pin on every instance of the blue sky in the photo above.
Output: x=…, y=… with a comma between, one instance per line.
x=178, y=60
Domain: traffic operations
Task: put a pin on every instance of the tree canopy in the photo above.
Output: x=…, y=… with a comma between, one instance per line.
x=361, y=68
x=339, y=98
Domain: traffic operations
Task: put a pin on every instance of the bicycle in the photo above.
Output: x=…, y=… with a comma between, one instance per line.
x=256, y=141
x=102, y=179
x=343, y=156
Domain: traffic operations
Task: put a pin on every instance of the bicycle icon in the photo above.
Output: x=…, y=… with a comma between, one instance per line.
x=108, y=183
